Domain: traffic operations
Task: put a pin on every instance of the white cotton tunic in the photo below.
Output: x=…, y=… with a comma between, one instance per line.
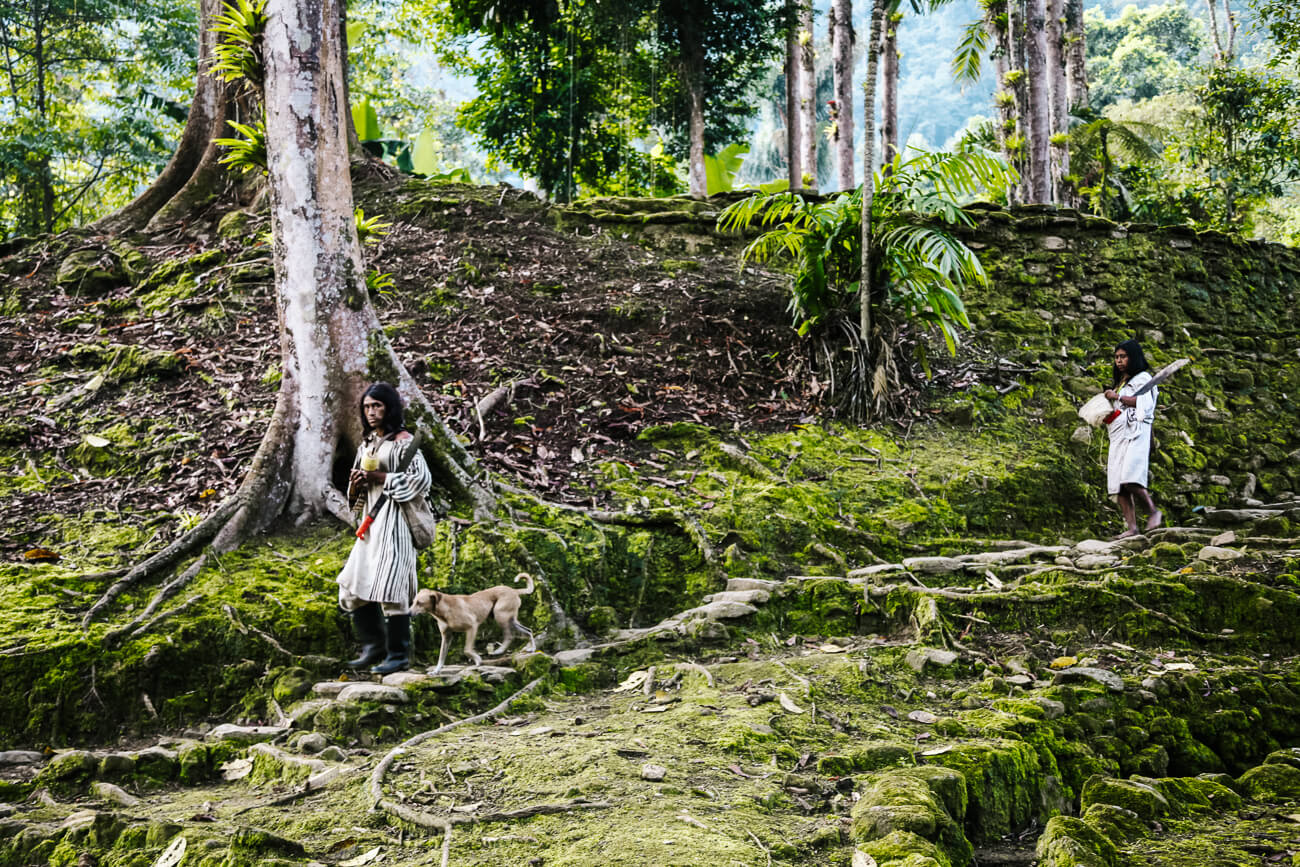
x=1130, y=437
x=381, y=567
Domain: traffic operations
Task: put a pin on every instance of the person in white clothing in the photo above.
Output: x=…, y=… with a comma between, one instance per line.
x=1128, y=461
x=378, y=582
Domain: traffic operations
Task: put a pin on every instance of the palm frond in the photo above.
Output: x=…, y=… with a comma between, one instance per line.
x=968, y=59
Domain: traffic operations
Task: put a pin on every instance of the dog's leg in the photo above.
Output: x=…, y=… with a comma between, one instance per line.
x=442, y=647
x=532, y=639
x=507, y=636
x=470, y=635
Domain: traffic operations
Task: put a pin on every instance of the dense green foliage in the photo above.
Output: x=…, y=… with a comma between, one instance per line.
x=94, y=94
x=1140, y=53
x=920, y=268
x=594, y=96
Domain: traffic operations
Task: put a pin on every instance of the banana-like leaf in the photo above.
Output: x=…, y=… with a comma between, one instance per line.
x=366, y=120
x=720, y=169
x=424, y=156
x=356, y=30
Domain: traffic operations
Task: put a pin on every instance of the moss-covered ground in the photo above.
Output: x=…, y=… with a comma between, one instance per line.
x=917, y=652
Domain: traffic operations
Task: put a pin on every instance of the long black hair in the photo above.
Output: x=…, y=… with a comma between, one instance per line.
x=1137, y=362
x=394, y=416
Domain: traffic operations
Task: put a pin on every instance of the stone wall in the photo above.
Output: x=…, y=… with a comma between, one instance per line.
x=1064, y=288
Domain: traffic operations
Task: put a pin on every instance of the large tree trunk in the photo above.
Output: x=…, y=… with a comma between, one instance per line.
x=194, y=153
x=868, y=170
x=1060, y=102
x=1038, y=100
x=793, y=72
x=1076, y=56
x=807, y=93
x=889, y=89
x=842, y=76
x=331, y=340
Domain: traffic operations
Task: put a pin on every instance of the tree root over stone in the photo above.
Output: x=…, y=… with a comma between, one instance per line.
x=444, y=824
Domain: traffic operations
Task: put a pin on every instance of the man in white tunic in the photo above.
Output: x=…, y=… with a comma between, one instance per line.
x=378, y=583
x=1127, y=463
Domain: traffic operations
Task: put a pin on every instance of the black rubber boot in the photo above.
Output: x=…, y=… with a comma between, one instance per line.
x=399, y=646
x=368, y=623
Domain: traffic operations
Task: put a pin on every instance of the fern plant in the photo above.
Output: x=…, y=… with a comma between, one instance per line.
x=246, y=152
x=920, y=268
x=238, y=52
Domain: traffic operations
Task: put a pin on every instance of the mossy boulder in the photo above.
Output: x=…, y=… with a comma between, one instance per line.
x=1071, y=842
x=927, y=802
x=1143, y=799
x=91, y=272
x=1271, y=783
x=1002, y=784
x=1115, y=823
x=69, y=768
x=905, y=849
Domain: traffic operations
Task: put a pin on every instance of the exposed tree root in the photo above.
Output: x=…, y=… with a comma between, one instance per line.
x=654, y=518
x=234, y=618
x=144, y=627
x=166, y=558
x=695, y=666
x=444, y=824
x=377, y=776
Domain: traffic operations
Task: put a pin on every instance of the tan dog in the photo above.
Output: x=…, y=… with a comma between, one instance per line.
x=467, y=613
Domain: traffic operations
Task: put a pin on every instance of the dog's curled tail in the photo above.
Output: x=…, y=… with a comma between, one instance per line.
x=529, y=588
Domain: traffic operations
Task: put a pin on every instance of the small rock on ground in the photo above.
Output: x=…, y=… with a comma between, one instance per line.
x=653, y=773
x=1108, y=679
x=354, y=692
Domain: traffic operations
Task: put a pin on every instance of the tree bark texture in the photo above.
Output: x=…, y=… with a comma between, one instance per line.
x=1076, y=56
x=1017, y=84
x=1038, y=99
x=793, y=72
x=319, y=272
x=331, y=340
x=807, y=93
x=868, y=168
x=889, y=89
x=1060, y=123
x=692, y=73
x=842, y=76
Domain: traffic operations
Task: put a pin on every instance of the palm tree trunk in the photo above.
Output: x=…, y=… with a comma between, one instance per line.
x=842, y=75
x=692, y=76
x=1019, y=89
x=1038, y=100
x=1076, y=56
x=868, y=168
x=1060, y=103
x=889, y=90
x=793, y=71
x=807, y=93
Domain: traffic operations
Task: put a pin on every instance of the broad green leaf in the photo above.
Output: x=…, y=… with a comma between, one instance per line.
x=720, y=170
x=424, y=156
x=356, y=30
x=366, y=120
